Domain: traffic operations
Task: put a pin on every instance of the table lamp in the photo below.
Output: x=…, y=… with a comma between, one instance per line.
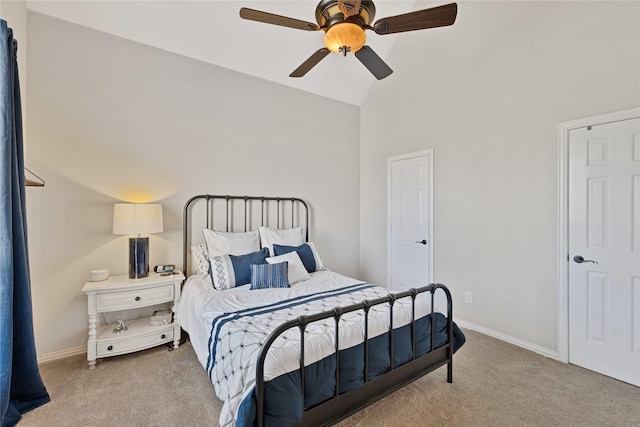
x=138, y=219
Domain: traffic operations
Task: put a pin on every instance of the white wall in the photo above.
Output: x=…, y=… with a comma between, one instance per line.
x=112, y=120
x=487, y=94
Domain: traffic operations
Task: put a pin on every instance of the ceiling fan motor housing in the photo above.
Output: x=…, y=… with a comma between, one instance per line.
x=328, y=14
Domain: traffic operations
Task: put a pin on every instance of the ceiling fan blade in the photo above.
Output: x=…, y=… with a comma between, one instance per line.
x=373, y=62
x=440, y=16
x=311, y=62
x=270, y=18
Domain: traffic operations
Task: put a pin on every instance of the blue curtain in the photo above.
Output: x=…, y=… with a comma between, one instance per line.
x=21, y=388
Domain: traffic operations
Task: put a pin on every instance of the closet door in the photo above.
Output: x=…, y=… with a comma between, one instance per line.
x=410, y=198
x=604, y=249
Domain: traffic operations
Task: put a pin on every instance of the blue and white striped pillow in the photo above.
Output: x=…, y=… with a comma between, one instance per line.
x=264, y=276
x=229, y=271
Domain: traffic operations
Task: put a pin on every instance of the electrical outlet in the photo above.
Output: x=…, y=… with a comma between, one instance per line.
x=468, y=297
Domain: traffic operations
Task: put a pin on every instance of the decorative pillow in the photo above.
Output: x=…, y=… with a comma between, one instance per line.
x=316, y=255
x=297, y=271
x=223, y=243
x=200, y=258
x=228, y=271
x=307, y=252
x=287, y=236
x=265, y=276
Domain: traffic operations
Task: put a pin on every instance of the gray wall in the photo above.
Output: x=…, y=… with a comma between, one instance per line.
x=488, y=94
x=111, y=120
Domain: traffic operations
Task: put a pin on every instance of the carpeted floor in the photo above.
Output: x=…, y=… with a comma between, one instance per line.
x=494, y=384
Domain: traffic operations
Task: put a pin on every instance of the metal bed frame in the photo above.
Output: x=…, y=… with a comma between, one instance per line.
x=341, y=405
x=246, y=203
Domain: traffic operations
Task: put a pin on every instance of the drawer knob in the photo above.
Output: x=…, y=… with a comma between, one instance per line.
x=110, y=348
x=138, y=298
x=163, y=336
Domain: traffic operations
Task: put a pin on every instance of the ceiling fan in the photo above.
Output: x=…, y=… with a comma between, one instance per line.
x=345, y=22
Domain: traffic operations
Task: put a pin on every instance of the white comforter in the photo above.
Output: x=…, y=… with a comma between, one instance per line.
x=227, y=328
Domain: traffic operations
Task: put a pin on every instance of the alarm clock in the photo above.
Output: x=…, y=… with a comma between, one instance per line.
x=164, y=268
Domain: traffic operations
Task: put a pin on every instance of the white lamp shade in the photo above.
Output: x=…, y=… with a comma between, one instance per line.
x=134, y=218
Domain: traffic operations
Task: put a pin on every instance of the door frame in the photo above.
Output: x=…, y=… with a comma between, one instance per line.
x=563, y=216
x=428, y=153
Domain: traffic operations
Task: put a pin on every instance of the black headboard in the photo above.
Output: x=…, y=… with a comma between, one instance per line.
x=238, y=214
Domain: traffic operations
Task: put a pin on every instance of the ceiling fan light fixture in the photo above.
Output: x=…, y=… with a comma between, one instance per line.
x=345, y=37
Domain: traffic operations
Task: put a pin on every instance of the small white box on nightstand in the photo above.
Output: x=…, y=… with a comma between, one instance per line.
x=98, y=275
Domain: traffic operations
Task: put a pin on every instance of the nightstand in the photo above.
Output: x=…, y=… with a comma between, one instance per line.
x=119, y=293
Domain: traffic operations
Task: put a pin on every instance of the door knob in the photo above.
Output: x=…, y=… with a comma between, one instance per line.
x=423, y=241
x=580, y=259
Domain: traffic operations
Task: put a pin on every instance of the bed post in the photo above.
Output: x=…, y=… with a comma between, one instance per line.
x=185, y=237
x=449, y=332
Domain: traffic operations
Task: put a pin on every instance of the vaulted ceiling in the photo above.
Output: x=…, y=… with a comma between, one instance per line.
x=212, y=31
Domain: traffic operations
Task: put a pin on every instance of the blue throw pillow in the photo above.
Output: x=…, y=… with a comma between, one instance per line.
x=305, y=252
x=265, y=276
x=228, y=271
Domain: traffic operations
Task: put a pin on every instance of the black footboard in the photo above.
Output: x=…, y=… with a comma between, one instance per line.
x=344, y=404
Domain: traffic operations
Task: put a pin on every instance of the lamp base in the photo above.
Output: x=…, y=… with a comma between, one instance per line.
x=138, y=257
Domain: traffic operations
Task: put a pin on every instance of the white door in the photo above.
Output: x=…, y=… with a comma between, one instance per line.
x=604, y=249
x=410, y=229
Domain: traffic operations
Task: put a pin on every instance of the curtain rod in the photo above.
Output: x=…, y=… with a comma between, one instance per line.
x=33, y=183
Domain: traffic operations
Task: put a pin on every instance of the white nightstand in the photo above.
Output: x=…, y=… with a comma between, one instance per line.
x=120, y=293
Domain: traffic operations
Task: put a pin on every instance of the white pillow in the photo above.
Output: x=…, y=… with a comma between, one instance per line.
x=297, y=272
x=200, y=259
x=285, y=237
x=224, y=243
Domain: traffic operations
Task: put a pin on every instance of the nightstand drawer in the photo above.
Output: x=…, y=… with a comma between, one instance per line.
x=133, y=299
x=135, y=343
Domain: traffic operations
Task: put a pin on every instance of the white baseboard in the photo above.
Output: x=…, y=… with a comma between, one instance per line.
x=461, y=323
x=511, y=340
x=42, y=358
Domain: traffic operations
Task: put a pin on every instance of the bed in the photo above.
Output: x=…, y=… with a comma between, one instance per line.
x=299, y=344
